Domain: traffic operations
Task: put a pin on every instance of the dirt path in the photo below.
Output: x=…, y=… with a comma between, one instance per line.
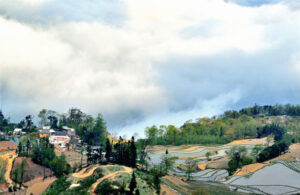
x=9, y=167
x=94, y=186
x=82, y=174
x=40, y=187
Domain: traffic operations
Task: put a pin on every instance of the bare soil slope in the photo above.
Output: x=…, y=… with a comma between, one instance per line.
x=32, y=170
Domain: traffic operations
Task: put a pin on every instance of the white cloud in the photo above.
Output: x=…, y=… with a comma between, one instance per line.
x=136, y=60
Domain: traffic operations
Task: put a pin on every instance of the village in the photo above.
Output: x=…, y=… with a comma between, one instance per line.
x=65, y=141
x=34, y=160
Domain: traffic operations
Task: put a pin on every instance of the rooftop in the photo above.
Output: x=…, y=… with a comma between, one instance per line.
x=7, y=144
x=60, y=133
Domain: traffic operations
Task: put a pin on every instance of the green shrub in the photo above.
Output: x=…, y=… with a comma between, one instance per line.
x=58, y=186
x=105, y=188
x=234, y=165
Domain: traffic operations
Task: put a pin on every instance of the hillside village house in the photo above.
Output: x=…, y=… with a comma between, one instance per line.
x=18, y=131
x=7, y=146
x=46, y=132
x=69, y=131
x=60, y=139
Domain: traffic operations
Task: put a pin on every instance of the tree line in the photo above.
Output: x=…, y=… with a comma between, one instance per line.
x=232, y=125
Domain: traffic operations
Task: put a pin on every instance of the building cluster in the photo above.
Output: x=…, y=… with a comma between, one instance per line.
x=65, y=139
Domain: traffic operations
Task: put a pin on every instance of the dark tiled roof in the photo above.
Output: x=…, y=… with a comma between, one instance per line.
x=61, y=133
x=45, y=131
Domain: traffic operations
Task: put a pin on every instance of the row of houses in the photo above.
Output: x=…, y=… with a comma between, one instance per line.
x=64, y=139
x=61, y=139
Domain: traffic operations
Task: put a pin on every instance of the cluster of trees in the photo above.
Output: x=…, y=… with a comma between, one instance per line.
x=94, y=156
x=274, y=129
x=280, y=146
x=27, y=124
x=239, y=158
x=5, y=125
x=272, y=151
x=123, y=152
x=156, y=172
x=267, y=110
x=206, y=131
x=42, y=152
x=170, y=135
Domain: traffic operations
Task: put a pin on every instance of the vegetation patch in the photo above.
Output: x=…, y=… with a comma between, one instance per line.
x=3, y=163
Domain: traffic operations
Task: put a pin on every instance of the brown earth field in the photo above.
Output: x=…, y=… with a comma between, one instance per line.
x=72, y=157
x=32, y=170
x=218, y=164
x=254, y=141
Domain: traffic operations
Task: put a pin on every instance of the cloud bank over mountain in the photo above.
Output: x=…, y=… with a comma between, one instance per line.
x=144, y=62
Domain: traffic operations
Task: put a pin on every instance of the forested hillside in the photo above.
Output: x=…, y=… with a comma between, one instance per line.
x=252, y=122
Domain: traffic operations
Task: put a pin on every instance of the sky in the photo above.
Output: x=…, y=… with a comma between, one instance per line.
x=145, y=62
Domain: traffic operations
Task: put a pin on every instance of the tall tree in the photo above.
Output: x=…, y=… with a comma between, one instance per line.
x=82, y=149
x=18, y=173
x=29, y=126
x=74, y=117
x=89, y=154
x=98, y=133
x=157, y=182
x=20, y=148
x=53, y=122
x=142, y=152
x=137, y=192
x=43, y=117
x=28, y=146
x=108, y=150
x=190, y=167
x=132, y=184
x=132, y=153
x=168, y=162
x=22, y=171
